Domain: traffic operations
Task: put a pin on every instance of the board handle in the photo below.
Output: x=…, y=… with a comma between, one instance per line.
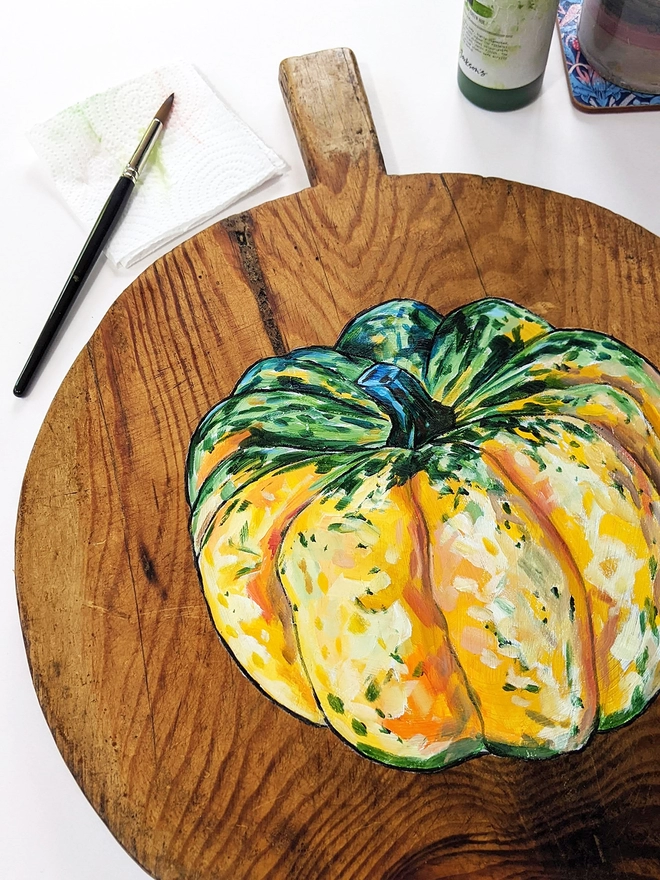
x=330, y=114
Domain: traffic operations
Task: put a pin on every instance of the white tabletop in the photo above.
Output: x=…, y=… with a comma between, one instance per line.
x=52, y=55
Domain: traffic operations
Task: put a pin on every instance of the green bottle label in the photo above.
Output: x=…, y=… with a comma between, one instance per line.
x=505, y=43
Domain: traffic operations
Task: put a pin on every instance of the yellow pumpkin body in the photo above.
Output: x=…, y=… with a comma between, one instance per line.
x=441, y=537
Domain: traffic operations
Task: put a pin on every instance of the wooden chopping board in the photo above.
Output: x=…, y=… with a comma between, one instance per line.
x=196, y=773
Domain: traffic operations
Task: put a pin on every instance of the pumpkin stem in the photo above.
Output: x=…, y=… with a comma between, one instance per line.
x=416, y=417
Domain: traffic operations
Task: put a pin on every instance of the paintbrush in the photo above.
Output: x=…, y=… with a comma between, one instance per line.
x=95, y=243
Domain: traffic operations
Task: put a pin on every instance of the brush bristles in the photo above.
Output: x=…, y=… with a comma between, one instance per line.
x=164, y=111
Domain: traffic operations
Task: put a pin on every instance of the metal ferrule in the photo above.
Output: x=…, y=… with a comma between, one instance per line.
x=131, y=173
x=140, y=156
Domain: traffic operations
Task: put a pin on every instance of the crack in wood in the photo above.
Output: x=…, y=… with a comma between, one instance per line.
x=239, y=229
x=465, y=235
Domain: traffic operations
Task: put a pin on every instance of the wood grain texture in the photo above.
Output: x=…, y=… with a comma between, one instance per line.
x=330, y=114
x=197, y=774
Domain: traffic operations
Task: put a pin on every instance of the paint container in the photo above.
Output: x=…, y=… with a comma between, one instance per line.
x=504, y=51
x=621, y=40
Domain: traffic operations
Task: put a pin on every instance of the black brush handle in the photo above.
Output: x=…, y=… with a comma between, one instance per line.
x=84, y=264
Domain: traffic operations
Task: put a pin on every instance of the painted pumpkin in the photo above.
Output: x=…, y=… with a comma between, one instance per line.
x=439, y=537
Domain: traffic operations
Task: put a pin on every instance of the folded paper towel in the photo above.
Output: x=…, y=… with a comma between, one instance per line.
x=206, y=159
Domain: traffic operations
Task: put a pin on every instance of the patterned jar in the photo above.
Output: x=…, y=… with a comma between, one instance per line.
x=621, y=40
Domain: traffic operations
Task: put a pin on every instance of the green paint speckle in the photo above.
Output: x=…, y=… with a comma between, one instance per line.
x=359, y=727
x=336, y=704
x=568, y=656
x=372, y=692
x=642, y=660
x=651, y=616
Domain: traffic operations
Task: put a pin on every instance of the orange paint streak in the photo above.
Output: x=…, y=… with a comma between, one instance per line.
x=257, y=587
x=219, y=452
x=468, y=570
x=257, y=591
x=411, y=725
x=443, y=676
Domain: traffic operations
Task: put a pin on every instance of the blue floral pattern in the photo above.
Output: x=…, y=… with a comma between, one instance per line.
x=590, y=90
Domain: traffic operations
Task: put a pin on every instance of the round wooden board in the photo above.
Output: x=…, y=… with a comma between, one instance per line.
x=197, y=773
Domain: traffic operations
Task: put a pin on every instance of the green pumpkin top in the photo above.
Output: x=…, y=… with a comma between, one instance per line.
x=402, y=375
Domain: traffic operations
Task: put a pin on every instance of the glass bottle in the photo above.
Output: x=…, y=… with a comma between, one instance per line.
x=504, y=51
